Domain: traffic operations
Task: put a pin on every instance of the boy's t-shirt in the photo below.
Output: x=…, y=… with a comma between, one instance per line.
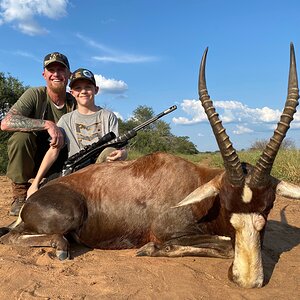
x=82, y=130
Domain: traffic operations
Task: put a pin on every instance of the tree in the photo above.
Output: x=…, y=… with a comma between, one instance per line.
x=261, y=144
x=155, y=137
x=10, y=91
x=143, y=113
x=181, y=144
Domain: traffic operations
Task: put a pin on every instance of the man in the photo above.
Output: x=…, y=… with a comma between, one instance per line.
x=33, y=118
x=83, y=126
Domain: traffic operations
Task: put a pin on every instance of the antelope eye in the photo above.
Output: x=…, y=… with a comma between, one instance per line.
x=168, y=248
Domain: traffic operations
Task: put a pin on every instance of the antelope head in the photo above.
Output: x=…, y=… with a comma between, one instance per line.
x=247, y=193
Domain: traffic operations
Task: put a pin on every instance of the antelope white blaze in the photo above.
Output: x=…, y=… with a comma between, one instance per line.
x=247, y=267
x=247, y=194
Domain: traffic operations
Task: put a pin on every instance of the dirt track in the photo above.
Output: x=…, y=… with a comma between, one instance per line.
x=34, y=273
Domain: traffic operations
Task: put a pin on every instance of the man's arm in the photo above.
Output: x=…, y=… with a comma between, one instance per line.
x=15, y=121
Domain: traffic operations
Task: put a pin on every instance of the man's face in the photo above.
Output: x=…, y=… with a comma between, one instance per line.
x=56, y=76
x=84, y=92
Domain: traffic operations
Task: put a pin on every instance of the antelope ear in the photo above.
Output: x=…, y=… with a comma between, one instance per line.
x=288, y=190
x=207, y=190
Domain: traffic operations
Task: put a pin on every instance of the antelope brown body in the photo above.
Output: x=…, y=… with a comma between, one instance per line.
x=166, y=205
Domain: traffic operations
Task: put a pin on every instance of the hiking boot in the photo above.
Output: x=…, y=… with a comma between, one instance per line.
x=19, y=191
x=16, y=206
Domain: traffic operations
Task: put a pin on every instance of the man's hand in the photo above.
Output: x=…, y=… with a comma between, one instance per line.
x=57, y=137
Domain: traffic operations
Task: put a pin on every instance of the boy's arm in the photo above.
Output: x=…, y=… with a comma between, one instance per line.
x=48, y=160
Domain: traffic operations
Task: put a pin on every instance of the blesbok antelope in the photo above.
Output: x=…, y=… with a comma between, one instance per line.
x=166, y=205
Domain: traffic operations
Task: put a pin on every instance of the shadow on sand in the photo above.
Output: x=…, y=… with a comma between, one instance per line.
x=279, y=237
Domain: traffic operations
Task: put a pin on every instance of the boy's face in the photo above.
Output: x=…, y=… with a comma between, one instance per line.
x=84, y=91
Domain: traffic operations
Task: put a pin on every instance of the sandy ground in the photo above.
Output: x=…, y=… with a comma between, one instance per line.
x=34, y=273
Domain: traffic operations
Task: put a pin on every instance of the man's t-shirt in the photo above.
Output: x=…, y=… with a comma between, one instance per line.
x=35, y=103
x=82, y=130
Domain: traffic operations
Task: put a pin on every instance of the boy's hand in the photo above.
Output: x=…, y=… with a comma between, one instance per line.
x=32, y=189
x=120, y=154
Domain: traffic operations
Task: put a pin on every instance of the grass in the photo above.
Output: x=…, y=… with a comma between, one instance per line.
x=286, y=165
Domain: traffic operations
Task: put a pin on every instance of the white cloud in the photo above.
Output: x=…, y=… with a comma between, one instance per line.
x=27, y=55
x=93, y=43
x=111, y=86
x=118, y=115
x=182, y=120
x=236, y=111
x=21, y=13
x=267, y=114
x=242, y=129
x=257, y=119
x=295, y=125
x=194, y=109
x=108, y=21
x=232, y=105
x=229, y=111
x=125, y=58
x=115, y=56
x=297, y=116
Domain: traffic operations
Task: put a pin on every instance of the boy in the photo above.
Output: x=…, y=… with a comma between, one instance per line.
x=83, y=126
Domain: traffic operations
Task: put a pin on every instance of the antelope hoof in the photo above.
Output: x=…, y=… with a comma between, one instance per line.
x=62, y=255
x=3, y=231
x=147, y=250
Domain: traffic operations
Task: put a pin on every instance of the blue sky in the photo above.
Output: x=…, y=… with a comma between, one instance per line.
x=148, y=53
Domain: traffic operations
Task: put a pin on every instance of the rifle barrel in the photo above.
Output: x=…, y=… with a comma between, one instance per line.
x=165, y=112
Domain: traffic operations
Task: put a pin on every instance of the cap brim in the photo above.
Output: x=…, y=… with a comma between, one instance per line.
x=81, y=78
x=55, y=61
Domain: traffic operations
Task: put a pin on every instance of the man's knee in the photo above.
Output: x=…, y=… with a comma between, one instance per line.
x=21, y=150
x=104, y=154
x=21, y=141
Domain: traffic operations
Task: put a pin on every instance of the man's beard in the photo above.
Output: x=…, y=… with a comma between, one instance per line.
x=58, y=88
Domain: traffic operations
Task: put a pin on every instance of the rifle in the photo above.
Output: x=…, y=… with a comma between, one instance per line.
x=89, y=154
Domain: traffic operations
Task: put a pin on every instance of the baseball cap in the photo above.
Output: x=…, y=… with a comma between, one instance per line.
x=82, y=74
x=56, y=57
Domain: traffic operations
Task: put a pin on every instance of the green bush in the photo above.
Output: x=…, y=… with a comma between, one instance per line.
x=3, y=157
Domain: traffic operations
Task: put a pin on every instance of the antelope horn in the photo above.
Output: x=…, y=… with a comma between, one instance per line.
x=264, y=165
x=232, y=163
